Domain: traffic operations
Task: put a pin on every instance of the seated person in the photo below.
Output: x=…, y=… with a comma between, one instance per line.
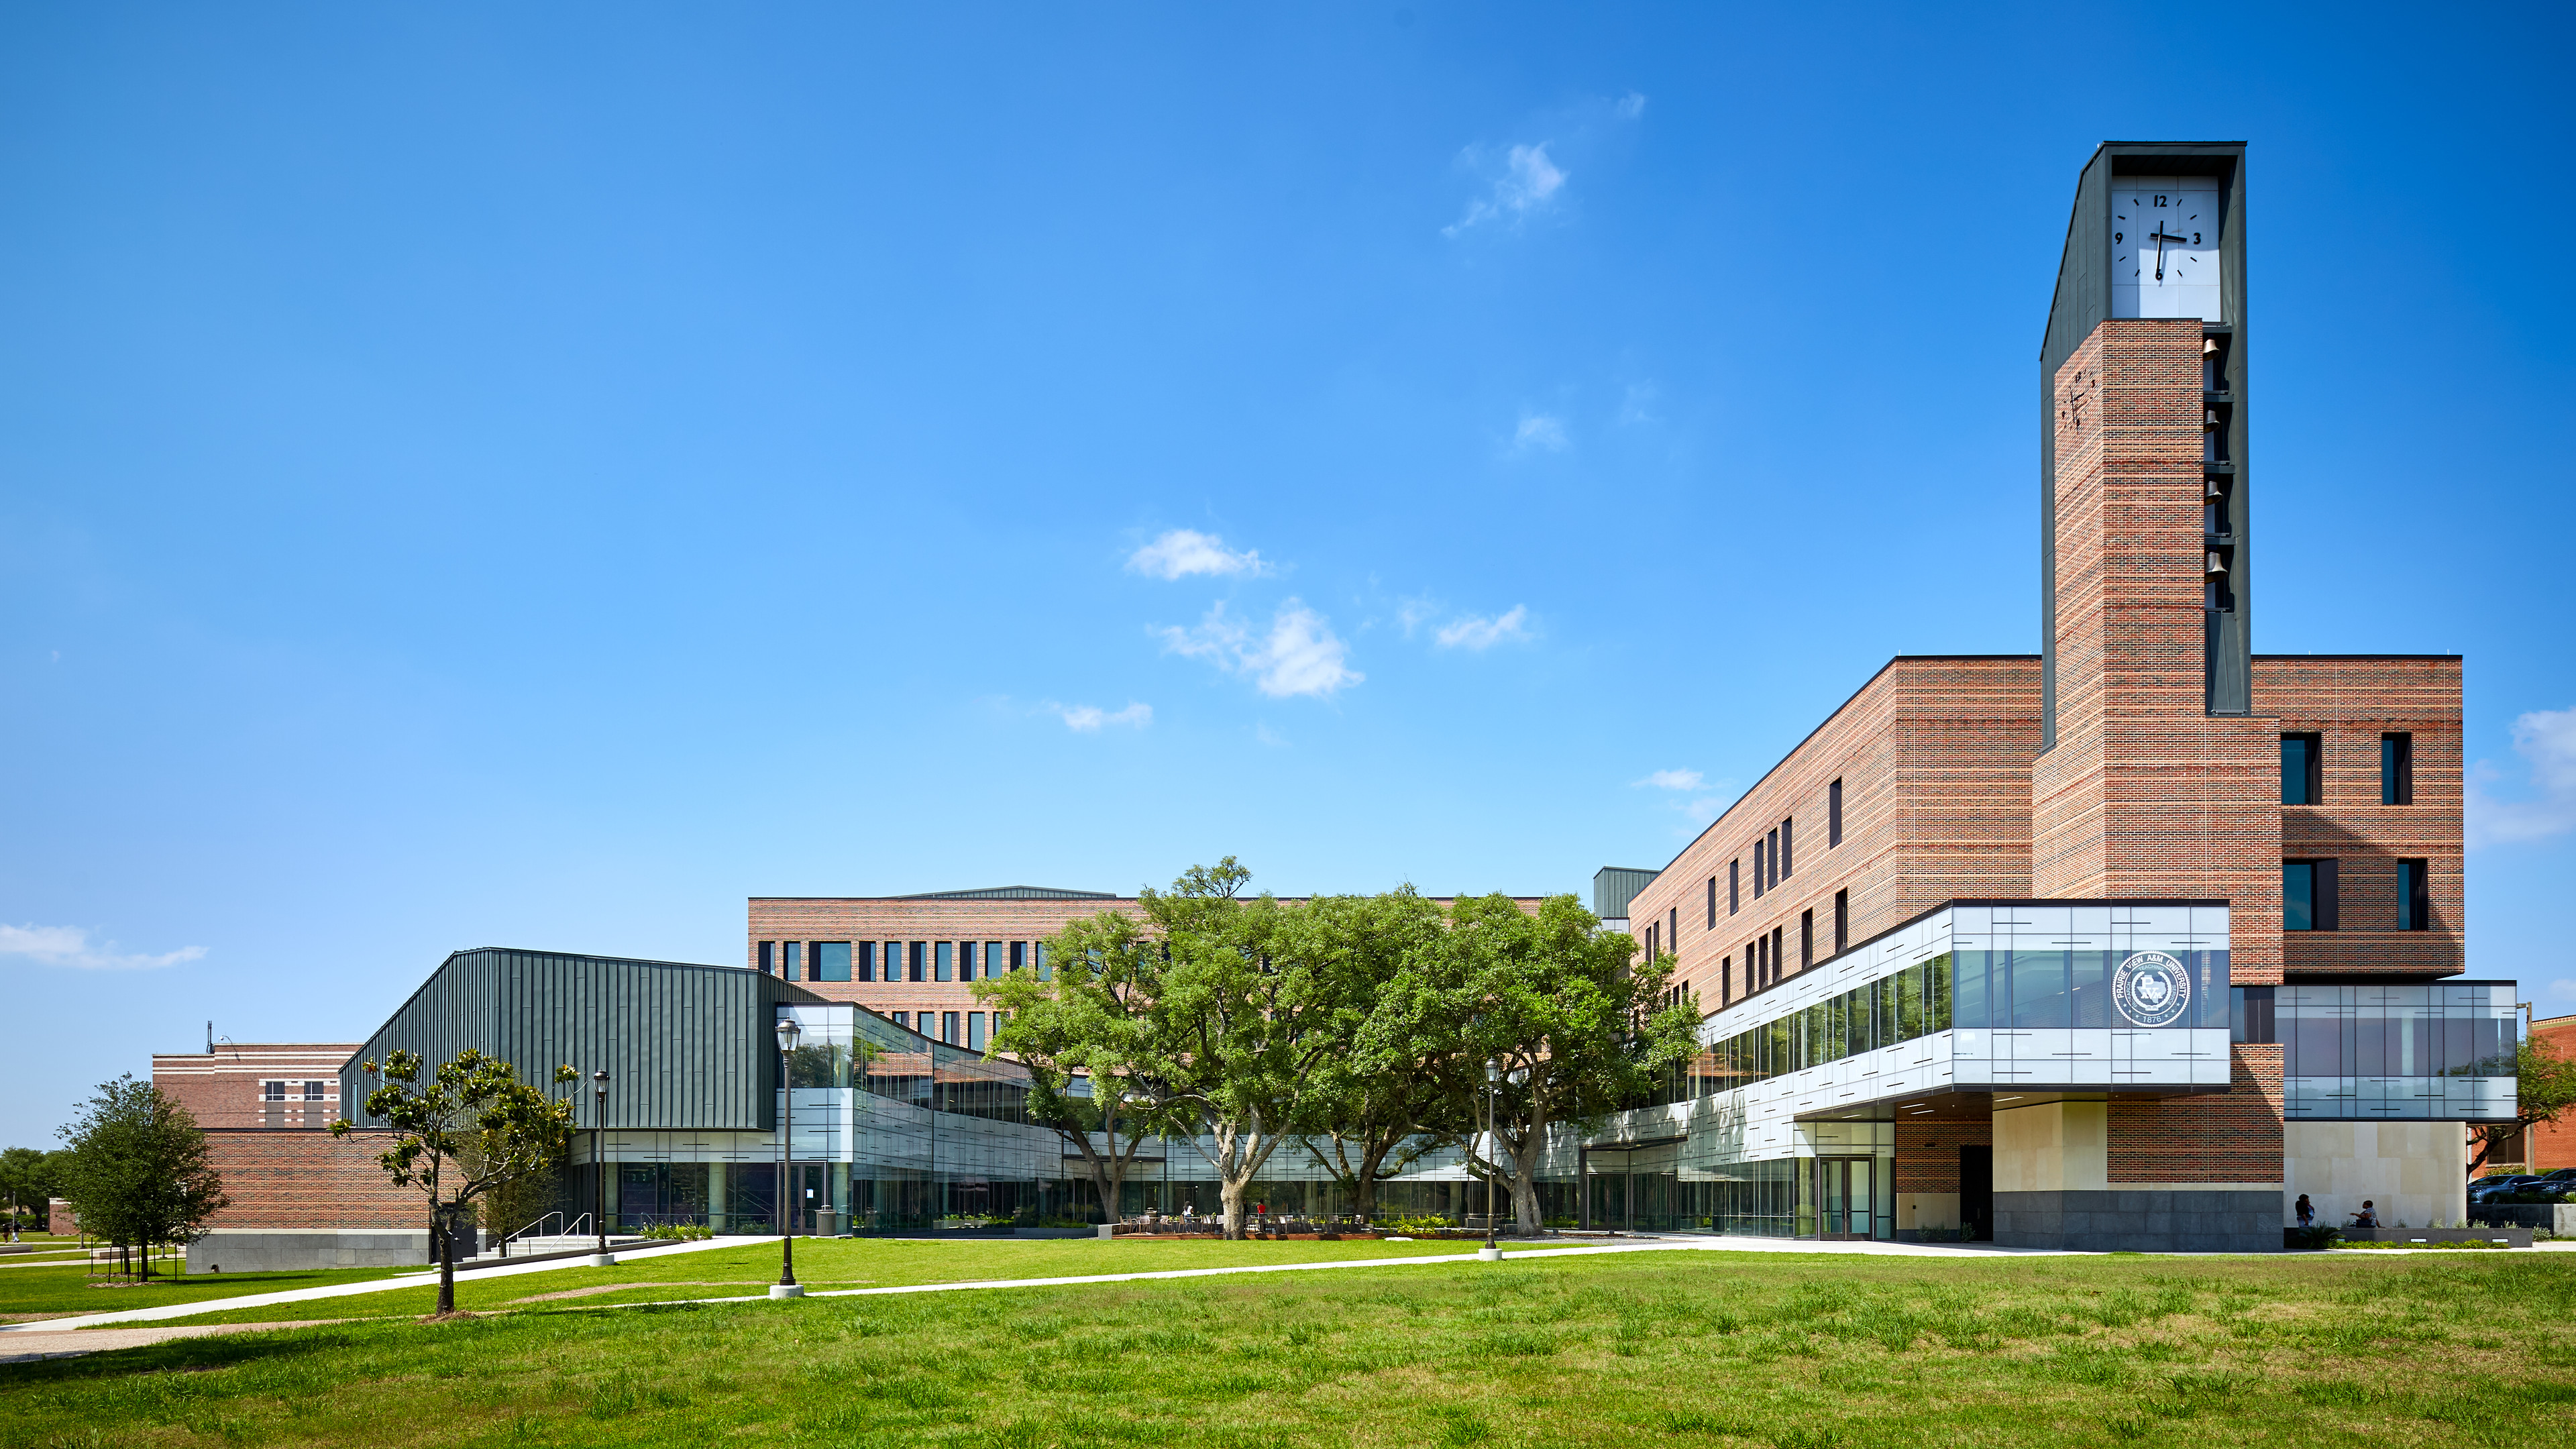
x=2368, y=1217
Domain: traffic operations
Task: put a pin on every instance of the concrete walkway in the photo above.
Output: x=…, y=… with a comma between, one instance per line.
x=1640, y=1244
x=35, y=1347
x=340, y=1290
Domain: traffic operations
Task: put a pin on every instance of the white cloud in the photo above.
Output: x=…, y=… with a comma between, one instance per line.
x=1671, y=780
x=71, y=946
x=1413, y=612
x=1631, y=106
x=1299, y=655
x=1090, y=717
x=1478, y=632
x=1538, y=430
x=1181, y=552
x=1528, y=183
x=1638, y=404
x=2546, y=740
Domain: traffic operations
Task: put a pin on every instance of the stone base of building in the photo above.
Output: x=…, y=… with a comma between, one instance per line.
x=2142, y=1220
x=280, y=1250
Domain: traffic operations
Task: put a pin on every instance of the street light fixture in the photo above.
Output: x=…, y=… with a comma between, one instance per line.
x=786, y=1286
x=1492, y=1252
x=602, y=1258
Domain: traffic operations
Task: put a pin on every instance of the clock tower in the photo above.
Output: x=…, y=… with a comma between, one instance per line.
x=2158, y=233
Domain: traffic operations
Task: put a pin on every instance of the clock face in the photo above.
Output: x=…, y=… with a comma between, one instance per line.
x=2164, y=247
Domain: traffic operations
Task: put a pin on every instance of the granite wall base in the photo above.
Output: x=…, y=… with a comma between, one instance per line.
x=2142, y=1220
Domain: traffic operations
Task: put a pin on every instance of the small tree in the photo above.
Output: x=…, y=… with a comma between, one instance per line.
x=2544, y=1087
x=1080, y=1036
x=138, y=1173
x=473, y=1131
x=28, y=1179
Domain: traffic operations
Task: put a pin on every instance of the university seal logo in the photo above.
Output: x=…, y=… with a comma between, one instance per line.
x=2152, y=988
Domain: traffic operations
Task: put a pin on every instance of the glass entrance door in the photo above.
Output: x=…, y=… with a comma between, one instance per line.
x=1843, y=1197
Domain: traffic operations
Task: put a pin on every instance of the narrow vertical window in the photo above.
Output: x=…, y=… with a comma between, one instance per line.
x=892, y=960
x=1734, y=886
x=2397, y=769
x=1650, y=945
x=903, y=1019
x=1806, y=939
x=992, y=959
x=1833, y=814
x=1779, y=965
x=1673, y=931
x=791, y=960
x=1788, y=852
x=1774, y=880
x=1725, y=979
x=1712, y=903
x=920, y=954
x=2302, y=769
x=2414, y=895
x=768, y=958
x=947, y=1026
x=975, y=1030
x=1019, y=954
x=867, y=962
x=1842, y=921
x=944, y=961
x=1037, y=958
x=2298, y=895
x=1757, y=867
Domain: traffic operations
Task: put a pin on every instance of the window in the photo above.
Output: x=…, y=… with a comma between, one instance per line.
x=791, y=960
x=768, y=957
x=1712, y=903
x=1725, y=979
x=1757, y=867
x=1806, y=939
x=1788, y=852
x=1734, y=886
x=975, y=1030
x=1673, y=931
x=2302, y=769
x=867, y=961
x=1775, y=859
x=2307, y=895
x=920, y=952
x=945, y=960
x=947, y=1026
x=1037, y=954
x=992, y=959
x=2414, y=896
x=1842, y=921
x=2397, y=769
x=1757, y=969
x=1019, y=954
x=903, y=1019
x=1779, y=967
x=313, y=1091
x=1650, y=945
x=272, y=1091
x=2249, y=1015
x=1833, y=814
x=831, y=960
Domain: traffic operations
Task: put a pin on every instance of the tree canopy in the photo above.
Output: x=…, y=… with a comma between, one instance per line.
x=138, y=1172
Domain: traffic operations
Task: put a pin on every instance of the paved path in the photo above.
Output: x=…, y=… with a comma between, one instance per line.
x=340, y=1290
x=1567, y=1250
x=29, y=1348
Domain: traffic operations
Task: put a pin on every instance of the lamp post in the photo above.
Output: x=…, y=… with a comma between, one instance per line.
x=602, y=1258
x=1492, y=1251
x=786, y=1286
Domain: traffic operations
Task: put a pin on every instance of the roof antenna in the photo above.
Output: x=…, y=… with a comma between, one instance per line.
x=210, y=1038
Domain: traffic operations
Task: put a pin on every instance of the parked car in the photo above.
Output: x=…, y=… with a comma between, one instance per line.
x=2490, y=1189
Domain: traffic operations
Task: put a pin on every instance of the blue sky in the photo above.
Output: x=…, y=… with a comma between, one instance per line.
x=537, y=476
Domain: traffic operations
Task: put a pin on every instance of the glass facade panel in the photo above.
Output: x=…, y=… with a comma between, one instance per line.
x=1970, y=988
x=2090, y=988
x=1037, y=952
x=2407, y=1050
x=2039, y=1000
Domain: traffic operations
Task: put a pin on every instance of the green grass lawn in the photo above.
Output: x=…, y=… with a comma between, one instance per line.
x=1715, y=1349
x=823, y=1263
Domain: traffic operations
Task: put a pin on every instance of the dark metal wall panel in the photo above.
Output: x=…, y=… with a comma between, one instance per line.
x=686, y=1047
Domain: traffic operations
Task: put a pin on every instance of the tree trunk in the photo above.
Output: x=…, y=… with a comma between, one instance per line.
x=446, y=1263
x=1230, y=1191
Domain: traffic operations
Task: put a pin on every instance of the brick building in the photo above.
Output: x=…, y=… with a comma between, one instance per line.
x=267, y=1108
x=915, y=958
x=2144, y=758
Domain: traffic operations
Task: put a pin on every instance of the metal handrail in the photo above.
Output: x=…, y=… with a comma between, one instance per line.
x=571, y=1229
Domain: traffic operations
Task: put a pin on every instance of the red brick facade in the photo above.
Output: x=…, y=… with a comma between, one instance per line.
x=260, y=1084
x=309, y=1179
x=2234, y=1138
x=1927, y=1151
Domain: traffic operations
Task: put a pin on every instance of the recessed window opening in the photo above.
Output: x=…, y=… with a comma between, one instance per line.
x=1833, y=814
x=2414, y=895
x=2397, y=768
x=2302, y=769
x=1842, y=921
